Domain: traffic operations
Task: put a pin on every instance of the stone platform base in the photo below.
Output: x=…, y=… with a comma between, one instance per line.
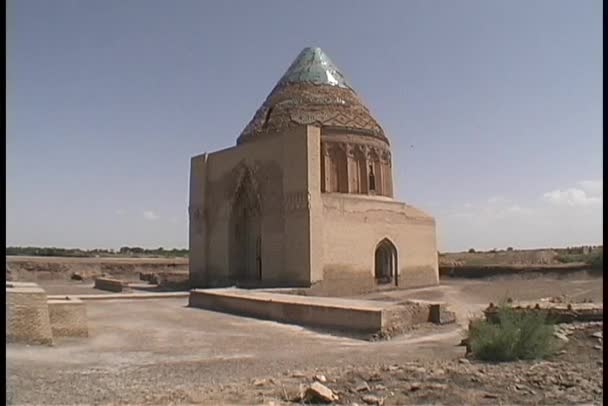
x=361, y=316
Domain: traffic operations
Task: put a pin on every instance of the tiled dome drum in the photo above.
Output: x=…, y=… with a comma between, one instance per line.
x=312, y=91
x=356, y=157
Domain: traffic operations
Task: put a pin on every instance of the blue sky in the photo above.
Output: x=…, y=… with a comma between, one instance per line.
x=493, y=108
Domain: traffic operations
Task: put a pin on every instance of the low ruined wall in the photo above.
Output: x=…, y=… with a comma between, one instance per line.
x=68, y=318
x=174, y=281
x=112, y=285
x=27, y=315
x=406, y=315
x=168, y=281
x=290, y=310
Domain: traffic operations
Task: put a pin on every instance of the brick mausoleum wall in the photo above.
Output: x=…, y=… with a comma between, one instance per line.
x=353, y=226
x=27, y=314
x=68, y=318
x=342, y=282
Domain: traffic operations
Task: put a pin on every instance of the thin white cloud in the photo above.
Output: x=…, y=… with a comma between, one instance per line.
x=592, y=187
x=518, y=209
x=496, y=199
x=121, y=212
x=151, y=215
x=572, y=197
x=570, y=215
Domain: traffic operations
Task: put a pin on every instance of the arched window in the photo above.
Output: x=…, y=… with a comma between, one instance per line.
x=360, y=173
x=376, y=169
x=338, y=178
x=372, y=179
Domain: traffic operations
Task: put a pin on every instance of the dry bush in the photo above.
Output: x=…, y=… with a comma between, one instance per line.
x=513, y=336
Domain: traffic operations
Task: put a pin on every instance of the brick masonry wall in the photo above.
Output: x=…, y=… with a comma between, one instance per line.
x=342, y=282
x=27, y=316
x=68, y=318
x=353, y=226
x=112, y=285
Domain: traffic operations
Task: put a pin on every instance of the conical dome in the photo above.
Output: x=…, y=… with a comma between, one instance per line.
x=312, y=91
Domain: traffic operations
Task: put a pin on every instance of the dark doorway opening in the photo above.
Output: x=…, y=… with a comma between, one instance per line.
x=385, y=262
x=246, y=235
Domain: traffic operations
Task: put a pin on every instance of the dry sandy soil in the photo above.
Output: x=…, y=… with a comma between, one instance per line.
x=162, y=352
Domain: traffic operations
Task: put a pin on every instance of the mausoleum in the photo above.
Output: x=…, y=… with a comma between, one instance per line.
x=305, y=197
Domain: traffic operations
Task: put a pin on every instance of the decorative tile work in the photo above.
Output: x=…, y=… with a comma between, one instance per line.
x=313, y=66
x=312, y=91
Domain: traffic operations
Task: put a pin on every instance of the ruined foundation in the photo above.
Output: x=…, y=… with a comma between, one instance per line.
x=337, y=314
x=68, y=318
x=27, y=314
x=112, y=285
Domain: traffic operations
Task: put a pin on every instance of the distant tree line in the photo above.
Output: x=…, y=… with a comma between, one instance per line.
x=77, y=252
x=581, y=250
x=592, y=255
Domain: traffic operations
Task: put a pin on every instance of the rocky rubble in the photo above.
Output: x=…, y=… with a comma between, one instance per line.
x=572, y=376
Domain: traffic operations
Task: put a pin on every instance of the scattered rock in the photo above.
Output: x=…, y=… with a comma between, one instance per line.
x=76, y=277
x=599, y=334
x=393, y=368
x=372, y=400
x=561, y=336
x=488, y=395
x=320, y=378
x=375, y=377
x=297, y=374
x=380, y=387
x=260, y=382
x=414, y=386
x=362, y=387
x=598, y=347
x=319, y=393
x=438, y=372
x=464, y=361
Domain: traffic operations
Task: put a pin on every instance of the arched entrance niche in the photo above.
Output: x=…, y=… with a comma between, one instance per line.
x=246, y=232
x=385, y=262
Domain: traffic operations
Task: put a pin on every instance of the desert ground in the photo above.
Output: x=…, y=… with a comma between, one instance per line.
x=159, y=351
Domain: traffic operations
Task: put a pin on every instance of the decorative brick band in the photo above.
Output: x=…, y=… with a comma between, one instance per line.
x=296, y=201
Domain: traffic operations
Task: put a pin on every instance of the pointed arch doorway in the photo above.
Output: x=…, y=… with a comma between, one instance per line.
x=385, y=263
x=246, y=233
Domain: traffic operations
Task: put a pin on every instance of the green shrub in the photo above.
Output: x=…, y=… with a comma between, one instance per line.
x=597, y=262
x=471, y=250
x=514, y=335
